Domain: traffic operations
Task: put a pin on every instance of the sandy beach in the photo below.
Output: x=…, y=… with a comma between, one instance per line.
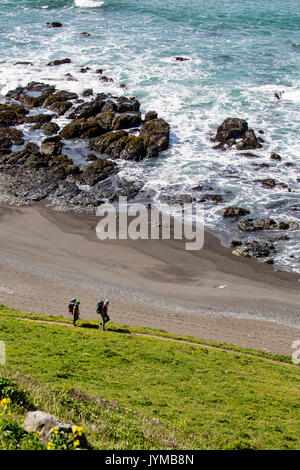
x=47, y=258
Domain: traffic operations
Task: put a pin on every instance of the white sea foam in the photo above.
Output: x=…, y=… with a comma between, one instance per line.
x=88, y=3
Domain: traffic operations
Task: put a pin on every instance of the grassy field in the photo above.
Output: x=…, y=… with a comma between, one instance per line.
x=135, y=392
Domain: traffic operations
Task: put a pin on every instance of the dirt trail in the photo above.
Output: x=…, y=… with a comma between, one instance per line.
x=147, y=335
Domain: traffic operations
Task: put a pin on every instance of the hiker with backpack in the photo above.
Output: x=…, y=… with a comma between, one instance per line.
x=102, y=309
x=74, y=309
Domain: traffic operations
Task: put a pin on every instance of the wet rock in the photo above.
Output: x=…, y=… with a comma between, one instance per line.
x=250, y=225
x=59, y=96
x=54, y=24
x=50, y=128
x=51, y=146
x=125, y=104
x=60, y=107
x=150, y=116
x=23, y=63
x=211, y=198
x=105, y=79
x=109, y=107
x=33, y=95
x=57, y=62
x=99, y=71
x=234, y=211
x=107, y=142
x=249, y=141
x=126, y=121
x=181, y=59
x=85, y=34
x=249, y=154
x=156, y=132
x=84, y=69
x=254, y=249
x=134, y=149
x=82, y=128
x=235, y=243
x=12, y=114
x=234, y=128
x=261, y=165
x=39, y=119
x=97, y=171
x=89, y=109
x=271, y=183
x=87, y=92
x=275, y=156
x=231, y=128
x=15, y=136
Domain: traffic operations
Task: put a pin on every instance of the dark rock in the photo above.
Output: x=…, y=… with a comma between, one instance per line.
x=59, y=62
x=234, y=211
x=231, y=128
x=250, y=225
x=55, y=24
x=235, y=243
x=84, y=69
x=107, y=141
x=150, y=115
x=105, y=79
x=59, y=96
x=271, y=183
x=51, y=146
x=125, y=105
x=97, y=171
x=82, y=128
x=126, y=121
x=12, y=114
x=87, y=92
x=109, y=107
x=33, y=95
x=89, y=109
x=85, y=34
x=249, y=141
x=15, y=136
x=23, y=63
x=156, y=132
x=60, y=107
x=249, y=154
x=275, y=156
x=39, y=119
x=181, y=59
x=211, y=198
x=134, y=149
x=50, y=128
x=99, y=71
x=254, y=249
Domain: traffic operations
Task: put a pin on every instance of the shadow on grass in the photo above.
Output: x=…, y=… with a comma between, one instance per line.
x=88, y=325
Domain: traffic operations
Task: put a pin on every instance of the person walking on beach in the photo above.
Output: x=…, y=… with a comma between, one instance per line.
x=76, y=312
x=102, y=309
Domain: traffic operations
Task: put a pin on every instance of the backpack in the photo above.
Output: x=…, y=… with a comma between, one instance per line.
x=99, y=307
x=71, y=305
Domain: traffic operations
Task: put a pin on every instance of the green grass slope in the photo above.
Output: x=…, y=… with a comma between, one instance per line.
x=135, y=392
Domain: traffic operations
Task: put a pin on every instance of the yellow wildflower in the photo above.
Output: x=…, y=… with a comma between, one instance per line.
x=5, y=402
x=50, y=446
x=76, y=443
x=77, y=430
x=54, y=430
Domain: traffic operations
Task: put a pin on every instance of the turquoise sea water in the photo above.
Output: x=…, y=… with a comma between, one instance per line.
x=241, y=53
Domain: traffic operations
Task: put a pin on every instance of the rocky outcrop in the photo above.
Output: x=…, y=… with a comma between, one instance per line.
x=59, y=62
x=250, y=225
x=234, y=211
x=12, y=114
x=254, y=249
x=50, y=128
x=97, y=171
x=156, y=132
x=235, y=131
x=33, y=95
x=43, y=423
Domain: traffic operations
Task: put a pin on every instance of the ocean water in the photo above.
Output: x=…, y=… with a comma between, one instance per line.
x=241, y=53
